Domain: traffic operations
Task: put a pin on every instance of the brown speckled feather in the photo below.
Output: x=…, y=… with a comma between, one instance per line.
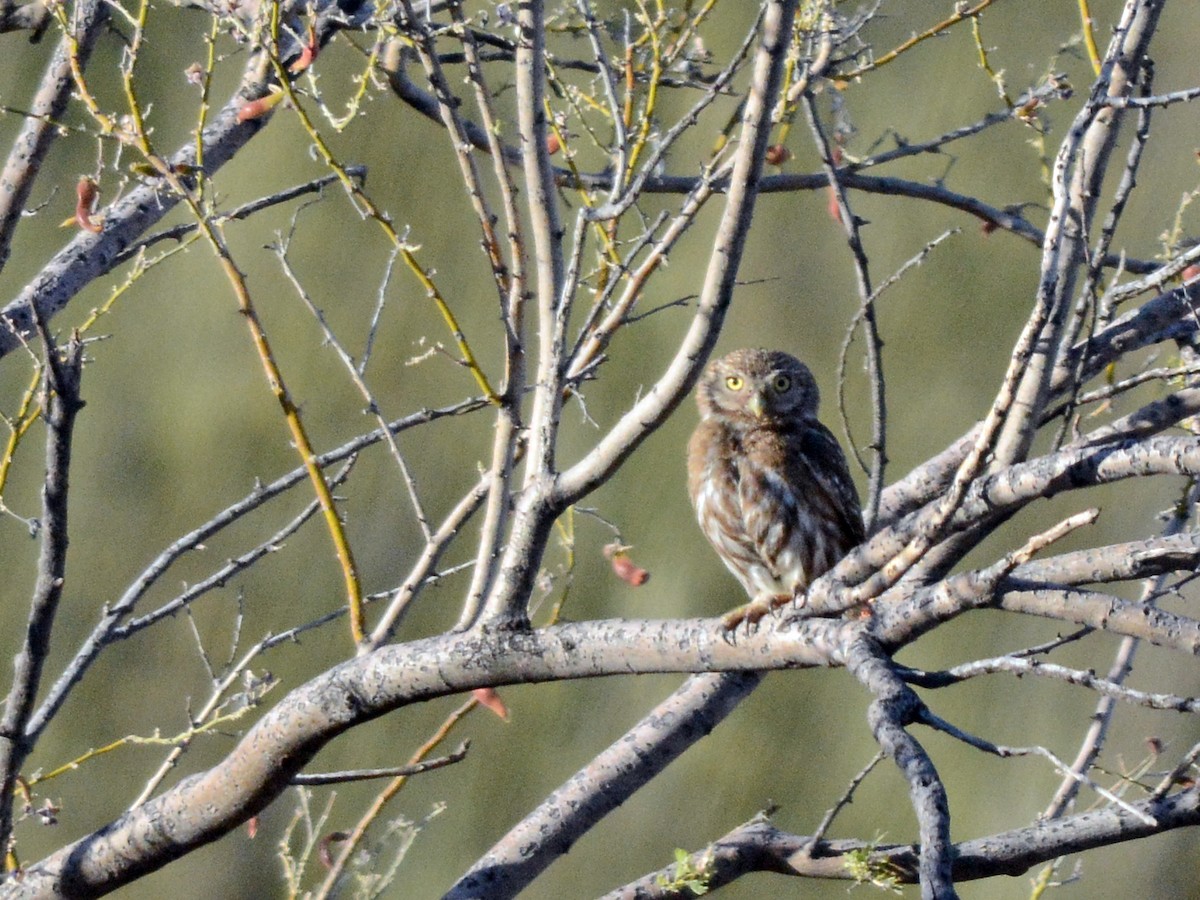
x=770, y=484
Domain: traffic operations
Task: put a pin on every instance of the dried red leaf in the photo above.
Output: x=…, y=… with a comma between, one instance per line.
x=489, y=698
x=553, y=145
x=307, y=54
x=624, y=567
x=86, y=192
x=832, y=206
x=1191, y=273
x=252, y=827
x=777, y=154
x=988, y=227
x=628, y=571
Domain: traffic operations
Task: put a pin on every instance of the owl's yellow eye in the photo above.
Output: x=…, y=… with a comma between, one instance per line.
x=781, y=384
x=734, y=382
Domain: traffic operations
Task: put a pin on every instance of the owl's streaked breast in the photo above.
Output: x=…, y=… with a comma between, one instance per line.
x=769, y=483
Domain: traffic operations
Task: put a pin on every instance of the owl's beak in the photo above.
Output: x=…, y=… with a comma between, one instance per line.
x=757, y=405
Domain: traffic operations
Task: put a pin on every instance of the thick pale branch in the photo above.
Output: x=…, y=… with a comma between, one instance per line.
x=759, y=846
x=33, y=16
x=1169, y=316
x=546, y=228
x=204, y=807
x=544, y=497
x=88, y=256
x=1101, y=611
x=1078, y=176
x=895, y=706
x=46, y=111
x=991, y=499
x=1047, y=587
x=1115, y=562
x=605, y=783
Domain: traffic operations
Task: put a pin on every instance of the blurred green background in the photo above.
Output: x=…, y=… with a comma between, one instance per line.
x=180, y=423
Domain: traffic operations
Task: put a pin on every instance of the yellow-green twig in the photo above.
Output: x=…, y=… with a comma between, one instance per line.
x=212, y=232
x=381, y=800
x=1089, y=36
x=134, y=739
x=18, y=425
x=986, y=64
x=647, y=117
x=291, y=414
x=957, y=16
x=355, y=190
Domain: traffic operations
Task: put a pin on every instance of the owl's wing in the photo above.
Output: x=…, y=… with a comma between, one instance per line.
x=821, y=464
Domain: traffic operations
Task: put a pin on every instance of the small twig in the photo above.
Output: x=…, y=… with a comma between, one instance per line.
x=313, y=780
x=865, y=308
x=847, y=797
x=369, y=208
x=238, y=672
x=1122, y=666
x=228, y=570
x=1177, y=774
x=934, y=721
x=1101, y=313
x=41, y=126
x=355, y=838
x=957, y=16
x=431, y=554
x=850, y=223
x=1052, y=89
x=281, y=248
x=238, y=213
x=1012, y=665
x=684, y=125
x=113, y=615
x=1145, y=102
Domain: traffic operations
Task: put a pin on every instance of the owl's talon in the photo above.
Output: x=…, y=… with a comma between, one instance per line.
x=730, y=622
x=751, y=614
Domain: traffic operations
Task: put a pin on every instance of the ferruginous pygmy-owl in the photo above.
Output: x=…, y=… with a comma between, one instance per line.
x=768, y=481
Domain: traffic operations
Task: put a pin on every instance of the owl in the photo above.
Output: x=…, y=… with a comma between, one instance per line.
x=769, y=482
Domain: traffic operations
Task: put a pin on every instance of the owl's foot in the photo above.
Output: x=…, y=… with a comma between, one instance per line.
x=753, y=612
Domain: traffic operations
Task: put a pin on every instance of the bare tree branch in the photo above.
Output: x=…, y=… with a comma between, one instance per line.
x=62, y=403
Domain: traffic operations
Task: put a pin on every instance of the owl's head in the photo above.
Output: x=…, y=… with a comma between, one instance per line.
x=756, y=387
